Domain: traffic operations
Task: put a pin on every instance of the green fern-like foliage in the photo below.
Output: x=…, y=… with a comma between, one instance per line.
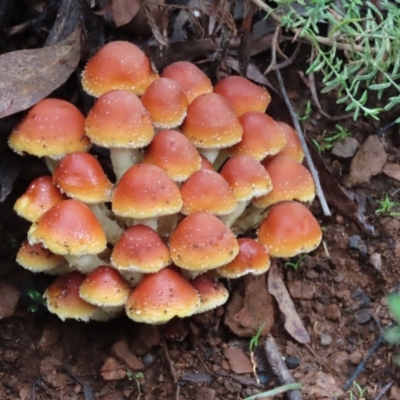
x=360, y=53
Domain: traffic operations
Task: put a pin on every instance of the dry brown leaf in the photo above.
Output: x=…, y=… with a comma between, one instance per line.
x=124, y=11
x=9, y=297
x=28, y=76
x=293, y=324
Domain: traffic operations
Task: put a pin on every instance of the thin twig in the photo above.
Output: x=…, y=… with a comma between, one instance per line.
x=313, y=170
x=279, y=368
x=384, y=390
x=363, y=363
x=171, y=365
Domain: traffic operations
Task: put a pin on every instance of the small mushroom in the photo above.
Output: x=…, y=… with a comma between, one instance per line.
x=144, y=193
x=106, y=288
x=243, y=95
x=201, y=242
x=62, y=298
x=40, y=196
x=118, y=65
x=70, y=229
x=81, y=177
x=166, y=103
x=51, y=129
x=207, y=191
x=289, y=229
x=119, y=121
x=212, y=293
x=191, y=78
x=253, y=258
x=174, y=153
x=211, y=125
x=162, y=296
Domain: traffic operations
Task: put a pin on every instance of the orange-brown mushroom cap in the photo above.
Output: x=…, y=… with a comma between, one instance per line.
x=211, y=123
x=63, y=298
x=104, y=287
x=290, y=229
x=146, y=191
x=253, y=258
x=290, y=181
x=40, y=196
x=247, y=177
x=119, y=119
x=166, y=103
x=140, y=249
x=207, y=191
x=52, y=128
x=174, y=153
x=36, y=258
x=161, y=296
x=212, y=293
x=243, y=95
x=81, y=177
x=191, y=78
x=293, y=146
x=262, y=136
x=201, y=242
x=118, y=65
x=69, y=228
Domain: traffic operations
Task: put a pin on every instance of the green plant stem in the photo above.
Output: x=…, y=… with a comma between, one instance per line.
x=274, y=392
x=320, y=39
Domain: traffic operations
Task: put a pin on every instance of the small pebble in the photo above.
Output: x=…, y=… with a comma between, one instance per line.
x=362, y=316
x=263, y=377
x=292, y=362
x=356, y=357
x=376, y=261
x=356, y=243
x=339, y=278
x=312, y=274
x=325, y=339
x=148, y=359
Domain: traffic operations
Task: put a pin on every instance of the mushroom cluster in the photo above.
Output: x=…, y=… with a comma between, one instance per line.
x=195, y=167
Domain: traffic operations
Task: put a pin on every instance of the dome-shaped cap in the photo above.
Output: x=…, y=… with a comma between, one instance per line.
x=211, y=123
x=289, y=229
x=40, y=196
x=69, y=228
x=201, y=242
x=190, y=77
x=52, y=128
x=243, y=95
x=140, y=249
x=118, y=65
x=81, y=177
x=146, y=191
x=161, y=296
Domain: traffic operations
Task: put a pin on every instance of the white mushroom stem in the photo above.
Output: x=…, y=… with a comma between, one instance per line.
x=122, y=159
x=223, y=155
x=251, y=218
x=230, y=218
x=210, y=154
x=51, y=164
x=84, y=264
x=150, y=222
x=133, y=277
x=111, y=228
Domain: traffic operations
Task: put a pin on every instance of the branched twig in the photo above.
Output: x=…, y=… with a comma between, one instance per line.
x=313, y=170
x=363, y=363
